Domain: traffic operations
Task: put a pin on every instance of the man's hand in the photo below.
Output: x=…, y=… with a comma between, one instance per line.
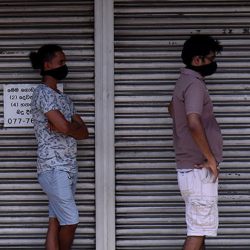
x=212, y=166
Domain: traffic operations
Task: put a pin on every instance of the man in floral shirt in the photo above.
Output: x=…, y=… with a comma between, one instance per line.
x=57, y=127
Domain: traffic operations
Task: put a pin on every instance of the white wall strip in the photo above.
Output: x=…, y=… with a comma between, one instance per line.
x=104, y=96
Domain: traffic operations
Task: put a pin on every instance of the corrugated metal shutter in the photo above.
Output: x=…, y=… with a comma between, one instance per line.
x=148, y=40
x=25, y=26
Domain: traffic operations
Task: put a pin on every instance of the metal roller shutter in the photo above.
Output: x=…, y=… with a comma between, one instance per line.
x=148, y=40
x=25, y=26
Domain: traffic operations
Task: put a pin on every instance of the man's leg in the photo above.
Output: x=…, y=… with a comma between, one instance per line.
x=194, y=243
x=66, y=236
x=52, y=240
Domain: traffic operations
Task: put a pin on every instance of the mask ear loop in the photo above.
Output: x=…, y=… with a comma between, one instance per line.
x=203, y=58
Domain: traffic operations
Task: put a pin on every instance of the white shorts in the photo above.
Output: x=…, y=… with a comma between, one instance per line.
x=200, y=194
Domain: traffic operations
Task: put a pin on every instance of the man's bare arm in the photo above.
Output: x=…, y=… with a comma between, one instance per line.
x=199, y=136
x=76, y=128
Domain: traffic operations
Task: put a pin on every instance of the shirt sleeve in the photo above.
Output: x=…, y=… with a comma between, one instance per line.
x=194, y=98
x=47, y=101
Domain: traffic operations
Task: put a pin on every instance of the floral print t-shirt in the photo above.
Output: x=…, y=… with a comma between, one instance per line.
x=55, y=150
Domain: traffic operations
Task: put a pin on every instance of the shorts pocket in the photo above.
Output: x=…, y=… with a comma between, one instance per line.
x=203, y=213
x=209, y=188
x=186, y=183
x=45, y=180
x=206, y=176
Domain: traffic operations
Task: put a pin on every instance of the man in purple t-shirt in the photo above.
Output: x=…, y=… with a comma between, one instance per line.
x=197, y=140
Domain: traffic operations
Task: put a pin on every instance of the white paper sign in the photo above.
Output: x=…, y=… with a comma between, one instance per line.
x=17, y=98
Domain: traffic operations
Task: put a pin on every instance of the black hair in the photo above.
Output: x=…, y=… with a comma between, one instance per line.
x=44, y=54
x=199, y=45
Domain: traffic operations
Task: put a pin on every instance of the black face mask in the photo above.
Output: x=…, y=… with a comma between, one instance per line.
x=58, y=73
x=205, y=70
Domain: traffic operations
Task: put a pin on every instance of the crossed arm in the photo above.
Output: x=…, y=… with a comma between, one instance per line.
x=76, y=128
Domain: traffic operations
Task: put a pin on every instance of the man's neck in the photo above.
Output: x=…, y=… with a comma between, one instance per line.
x=50, y=82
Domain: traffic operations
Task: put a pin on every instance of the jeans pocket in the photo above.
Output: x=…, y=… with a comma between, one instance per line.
x=70, y=178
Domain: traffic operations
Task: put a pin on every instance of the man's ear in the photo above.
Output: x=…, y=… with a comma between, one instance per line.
x=196, y=61
x=47, y=65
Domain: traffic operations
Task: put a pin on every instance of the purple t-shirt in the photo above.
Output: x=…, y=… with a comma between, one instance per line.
x=191, y=96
